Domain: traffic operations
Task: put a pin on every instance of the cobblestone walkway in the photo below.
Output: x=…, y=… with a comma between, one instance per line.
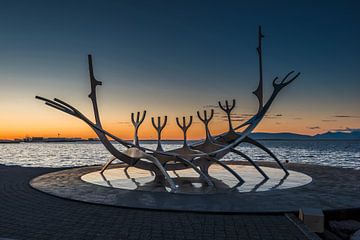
x=29, y=214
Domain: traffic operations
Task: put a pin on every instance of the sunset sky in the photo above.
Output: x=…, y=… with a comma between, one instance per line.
x=174, y=58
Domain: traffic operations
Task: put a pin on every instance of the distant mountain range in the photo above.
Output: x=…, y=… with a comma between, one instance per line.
x=355, y=135
x=339, y=135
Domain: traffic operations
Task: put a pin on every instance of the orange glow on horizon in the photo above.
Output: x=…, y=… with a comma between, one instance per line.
x=29, y=118
x=64, y=126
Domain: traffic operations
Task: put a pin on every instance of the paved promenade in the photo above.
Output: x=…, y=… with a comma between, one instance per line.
x=331, y=188
x=26, y=213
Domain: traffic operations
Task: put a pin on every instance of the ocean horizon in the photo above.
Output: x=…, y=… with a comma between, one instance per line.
x=339, y=153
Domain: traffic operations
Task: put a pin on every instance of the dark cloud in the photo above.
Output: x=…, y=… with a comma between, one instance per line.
x=247, y=114
x=297, y=118
x=234, y=118
x=314, y=127
x=237, y=117
x=124, y=122
x=328, y=120
x=346, y=116
x=238, y=120
x=242, y=116
x=233, y=115
x=272, y=116
x=211, y=106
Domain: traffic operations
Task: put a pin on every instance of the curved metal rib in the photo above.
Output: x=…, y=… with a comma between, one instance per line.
x=262, y=147
x=256, y=187
x=253, y=122
x=106, y=180
x=193, y=166
x=251, y=161
x=227, y=168
x=281, y=181
x=154, y=163
x=107, y=164
x=129, y=177
x=171, y=182
x=137, y=154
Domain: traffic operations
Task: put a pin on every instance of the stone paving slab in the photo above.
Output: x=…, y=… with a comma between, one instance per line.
x=29, y=214
x=331, y=188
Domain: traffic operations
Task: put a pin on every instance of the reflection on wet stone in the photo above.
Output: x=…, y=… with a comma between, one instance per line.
x=137, y=179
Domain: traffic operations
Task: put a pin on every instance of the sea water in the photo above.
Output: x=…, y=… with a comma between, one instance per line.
x=331, y=153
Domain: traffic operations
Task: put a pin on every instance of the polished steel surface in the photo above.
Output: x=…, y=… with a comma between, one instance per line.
x=199, y=156
x=137, y=179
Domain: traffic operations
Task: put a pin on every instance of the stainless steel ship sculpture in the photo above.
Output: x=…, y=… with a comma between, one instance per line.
x=198, y=156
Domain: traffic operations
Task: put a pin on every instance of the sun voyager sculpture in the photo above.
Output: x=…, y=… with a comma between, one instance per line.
x=199, y=155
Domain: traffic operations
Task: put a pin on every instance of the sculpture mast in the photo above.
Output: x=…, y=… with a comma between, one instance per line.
x=259, y=90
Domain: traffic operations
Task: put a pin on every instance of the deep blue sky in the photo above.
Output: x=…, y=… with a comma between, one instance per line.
x=178, y=56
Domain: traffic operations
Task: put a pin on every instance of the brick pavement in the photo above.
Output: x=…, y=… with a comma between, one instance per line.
x=332, y=188
x=29, y=214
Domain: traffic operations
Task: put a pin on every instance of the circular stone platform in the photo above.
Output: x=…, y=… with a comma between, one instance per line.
x=328, y=188
x=189, y=182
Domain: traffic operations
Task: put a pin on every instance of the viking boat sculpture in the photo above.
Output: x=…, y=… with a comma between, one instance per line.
x=199, y=155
